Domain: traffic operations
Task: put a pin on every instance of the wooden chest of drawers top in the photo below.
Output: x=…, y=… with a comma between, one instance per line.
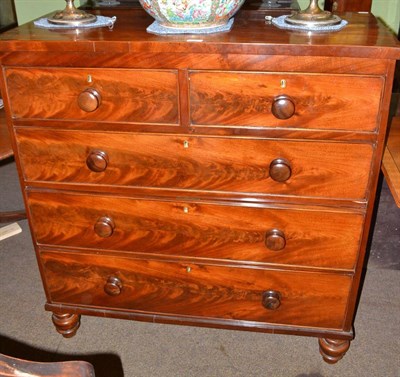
x=365, y=37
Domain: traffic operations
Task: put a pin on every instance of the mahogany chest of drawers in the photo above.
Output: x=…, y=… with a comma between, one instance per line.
x=225, y=180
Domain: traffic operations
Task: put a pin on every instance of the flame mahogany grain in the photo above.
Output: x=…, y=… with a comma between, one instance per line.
x=313, y=238
x=134, y=95
x=246, y=99
x=198, y=290
x=318, y=169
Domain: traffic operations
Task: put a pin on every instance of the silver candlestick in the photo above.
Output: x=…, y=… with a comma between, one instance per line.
x=71, y=16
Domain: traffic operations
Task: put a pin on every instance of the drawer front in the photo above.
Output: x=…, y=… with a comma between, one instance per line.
x=268, y=235
x=335, y=102
x=141, y=96
x=306, y=299
x=312, y=169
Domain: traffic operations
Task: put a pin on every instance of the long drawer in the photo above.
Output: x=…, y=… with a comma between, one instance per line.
x=310, y=101
x=278, y=167
x=199, y=290
x=267, y=235
x=95, y=94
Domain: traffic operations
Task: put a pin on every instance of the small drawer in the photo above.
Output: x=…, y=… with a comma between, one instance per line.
x=289, y=298
x=273, y=100
x=258, y=235
x=235, y=165
x=94, y=94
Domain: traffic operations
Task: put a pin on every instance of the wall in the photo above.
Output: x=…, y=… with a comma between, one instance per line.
x=388, y=11
x=28, y=10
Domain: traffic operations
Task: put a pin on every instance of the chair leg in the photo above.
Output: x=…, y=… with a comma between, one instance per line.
x=9, y=217
x=10, y=366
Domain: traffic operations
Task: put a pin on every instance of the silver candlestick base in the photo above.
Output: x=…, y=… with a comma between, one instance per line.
x=71, y=16
x=313, y=16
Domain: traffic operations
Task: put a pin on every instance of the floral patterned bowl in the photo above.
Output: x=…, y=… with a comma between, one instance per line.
x=191, y=13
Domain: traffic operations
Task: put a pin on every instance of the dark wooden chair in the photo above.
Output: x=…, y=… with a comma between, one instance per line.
x=10, y=366
x=6, y=152
x=348, y=5
x=391, y=157
x=391, y=160
x=5, y=142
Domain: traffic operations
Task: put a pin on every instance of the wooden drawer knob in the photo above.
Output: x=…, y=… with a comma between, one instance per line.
x=104, y=227
x=275, y=240
x=280, y=170
x=271, y=300
x=283, y=107
x=89, y=100
x=97, y=161
x=113, y=286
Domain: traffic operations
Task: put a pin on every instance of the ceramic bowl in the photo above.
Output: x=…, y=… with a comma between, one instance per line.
x=191, y=13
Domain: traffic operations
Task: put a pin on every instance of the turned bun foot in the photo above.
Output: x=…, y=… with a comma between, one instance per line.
x=332, y=350
x=66, y=324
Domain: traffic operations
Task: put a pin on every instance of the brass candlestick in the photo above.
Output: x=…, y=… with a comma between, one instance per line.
x=313, y=16
x=71, y=16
